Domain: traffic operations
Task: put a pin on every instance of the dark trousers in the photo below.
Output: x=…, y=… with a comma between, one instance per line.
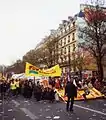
x=18, y=91
x=29, y=93
x=25, y=92
x=13, y=92
x=68, y=102
x=38, y=96
x=2, y=95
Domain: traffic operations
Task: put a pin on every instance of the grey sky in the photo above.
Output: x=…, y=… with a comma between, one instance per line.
x=23, y=23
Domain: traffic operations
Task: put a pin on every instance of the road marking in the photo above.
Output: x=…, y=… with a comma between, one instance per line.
x=92, y=110
x=16, y=103
x=27, y=112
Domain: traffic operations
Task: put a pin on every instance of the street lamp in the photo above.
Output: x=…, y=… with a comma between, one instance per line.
x=69, y=61
x=3, y=70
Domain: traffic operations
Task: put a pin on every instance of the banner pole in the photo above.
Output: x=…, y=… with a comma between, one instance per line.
x=34, y=80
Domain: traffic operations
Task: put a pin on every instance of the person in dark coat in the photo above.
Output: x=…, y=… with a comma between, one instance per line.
x=26, y=89
x=51, y=95
x=30, y=89
x=50, y=81
x=53, y=82
x=3, y=88
x=44, y=94
x=38, y=92
x=70, y=92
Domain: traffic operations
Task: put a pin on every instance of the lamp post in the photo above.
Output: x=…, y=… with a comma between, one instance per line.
x=3, y=69
x=69, y=62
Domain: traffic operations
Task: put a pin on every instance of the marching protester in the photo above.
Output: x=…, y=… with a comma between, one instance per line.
x=51, y=95
x=25, y=87
x=38, y=92
x=13, y=87
x=71, y=93
x=3, y=88
x=86, y=91
x=30, y=89
x=17, y=86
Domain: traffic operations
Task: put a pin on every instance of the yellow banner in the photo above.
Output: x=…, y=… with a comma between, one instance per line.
x=31, y=70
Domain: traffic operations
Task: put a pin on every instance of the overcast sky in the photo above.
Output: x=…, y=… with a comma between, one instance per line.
x=23, y=24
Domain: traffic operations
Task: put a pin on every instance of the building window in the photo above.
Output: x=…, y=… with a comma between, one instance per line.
x=61, y=32
x=65, y=58
x=64, y=41
x=73, y=36
x=68, y=48
x=61, y=42
x=65, y=30
x=69, y=27
x=68, y=39
x=61, y=59
x=74, y=47
x=65, y=70
x=73, y=24
x=61, y=51
x=65, y=51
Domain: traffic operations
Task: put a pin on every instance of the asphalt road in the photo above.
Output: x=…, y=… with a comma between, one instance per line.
x=23, y=109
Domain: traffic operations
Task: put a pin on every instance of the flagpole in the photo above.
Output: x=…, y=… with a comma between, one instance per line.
x=34, y=80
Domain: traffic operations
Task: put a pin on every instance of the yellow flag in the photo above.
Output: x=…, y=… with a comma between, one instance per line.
x=32, y=70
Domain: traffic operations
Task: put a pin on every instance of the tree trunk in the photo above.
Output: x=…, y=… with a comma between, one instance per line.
x=80, y=74
x=100, y=69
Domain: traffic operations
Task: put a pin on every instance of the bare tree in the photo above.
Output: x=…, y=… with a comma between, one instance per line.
x=16, y=67
x=30, y=57
x=46, y=53
x=81, y=61
x=51, y=49
x=94, y=34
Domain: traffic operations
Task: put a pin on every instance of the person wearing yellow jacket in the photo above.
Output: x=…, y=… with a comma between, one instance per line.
x=13, y=87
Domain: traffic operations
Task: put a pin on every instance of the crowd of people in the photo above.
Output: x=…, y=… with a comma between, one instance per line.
x=27, y=88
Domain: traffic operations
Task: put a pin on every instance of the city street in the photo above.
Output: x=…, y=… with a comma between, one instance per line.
x=22, y=109
x=52, y=49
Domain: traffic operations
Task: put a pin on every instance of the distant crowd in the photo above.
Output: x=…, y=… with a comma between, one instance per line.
x=27, y=88
x=47, y=91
